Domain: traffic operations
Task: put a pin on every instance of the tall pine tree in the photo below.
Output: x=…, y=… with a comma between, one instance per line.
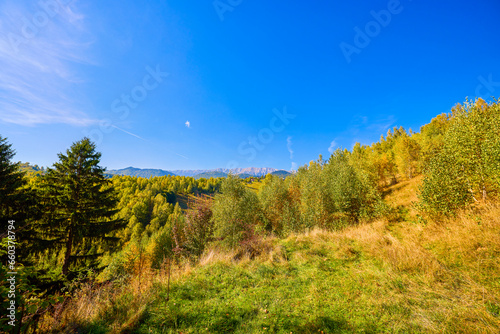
x=12, y=192
x=79, y=206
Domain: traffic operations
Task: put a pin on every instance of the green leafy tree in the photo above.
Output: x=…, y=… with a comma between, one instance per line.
x=177, y=222
x=236, y=211
x=407, y=152
x=473, y=140
x=467, y=167
x=80, y=205
x=444, y=189
x=352, y=193
x=431, y=137
x=279, y=209
x=198, y=229
x=315, y=203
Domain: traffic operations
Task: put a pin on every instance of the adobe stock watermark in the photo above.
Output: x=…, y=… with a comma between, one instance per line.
x=486, y=86
x=31, y=27
x=372, y=29
x=128, y=101
x=223, y=6
x=11, y=274
x=249, y=148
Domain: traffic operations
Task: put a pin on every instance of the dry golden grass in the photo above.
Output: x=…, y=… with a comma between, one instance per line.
x=255, y=185
x=448, y=270
x=404, y=194
x=120, y=306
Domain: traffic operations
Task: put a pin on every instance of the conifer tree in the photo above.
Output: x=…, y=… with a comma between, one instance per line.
x=12, y=194
x=79, y=206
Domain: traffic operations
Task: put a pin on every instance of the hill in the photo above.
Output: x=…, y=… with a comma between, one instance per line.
x=131, y=171
x=252, y=171
x=196, y=173
x=245, y=175
x=210, y=174
x=397, y=276
x=281, y=173
x=31, y=170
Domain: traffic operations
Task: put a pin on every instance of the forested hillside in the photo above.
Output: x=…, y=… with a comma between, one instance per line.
x=30, y=170
x=210, y=174
x=397, y=236
x=131, y=171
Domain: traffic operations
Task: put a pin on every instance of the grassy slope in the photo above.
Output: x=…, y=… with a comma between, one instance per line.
x=255, y=185
x=187, y=200
x=380, y=277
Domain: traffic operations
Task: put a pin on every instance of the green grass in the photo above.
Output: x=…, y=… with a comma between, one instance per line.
x=374, y=278
x=309, y=288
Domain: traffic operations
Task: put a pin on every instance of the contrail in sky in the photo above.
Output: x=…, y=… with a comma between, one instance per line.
x=132, y=134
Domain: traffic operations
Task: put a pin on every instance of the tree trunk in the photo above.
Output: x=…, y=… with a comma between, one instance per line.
x=69, y=246
x=484, y=187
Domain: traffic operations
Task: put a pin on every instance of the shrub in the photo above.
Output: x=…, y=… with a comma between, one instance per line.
x=234, y=210
x=279, y=210
x=444, y=189
x=198, y=230
x=467, y=168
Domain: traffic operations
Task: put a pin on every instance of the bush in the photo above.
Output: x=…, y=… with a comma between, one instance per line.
x=467, y=168
x=352, y=192
x=444, y=189
x=235, y=210
x=198, y=229
x=280, y=212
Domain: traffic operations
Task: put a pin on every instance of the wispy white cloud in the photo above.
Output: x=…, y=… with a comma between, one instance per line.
x=40, y=51
x=382, y=124
x=333, y=146
x=363, y=129
x=289, y=146
x=188, y=124
x=294, y=166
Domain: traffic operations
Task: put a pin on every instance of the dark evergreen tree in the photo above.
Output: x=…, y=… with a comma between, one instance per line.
x=79, y=205
x=13, y=194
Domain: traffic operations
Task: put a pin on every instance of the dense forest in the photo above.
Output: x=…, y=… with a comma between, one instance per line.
x=74, y=226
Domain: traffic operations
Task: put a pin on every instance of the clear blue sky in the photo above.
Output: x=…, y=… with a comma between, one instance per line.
x=346, y=71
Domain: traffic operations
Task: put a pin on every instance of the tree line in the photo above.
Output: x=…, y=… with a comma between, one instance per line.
x=346, y=189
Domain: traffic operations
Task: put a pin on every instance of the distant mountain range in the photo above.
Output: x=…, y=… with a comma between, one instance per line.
x=196, y=173
x=253, y=171
x=199, y=173
x=131, y=171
